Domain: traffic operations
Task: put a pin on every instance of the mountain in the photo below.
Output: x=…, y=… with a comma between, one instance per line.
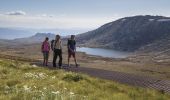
x=128, y=34
x=10, y=33
x=62, y=32
x=37, y=38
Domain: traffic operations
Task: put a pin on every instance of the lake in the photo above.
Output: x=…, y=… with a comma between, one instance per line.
x=103, y=52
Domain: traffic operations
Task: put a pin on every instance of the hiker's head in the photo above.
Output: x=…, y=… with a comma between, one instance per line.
x=46, y=39
x=72, y=37
x=57, y=37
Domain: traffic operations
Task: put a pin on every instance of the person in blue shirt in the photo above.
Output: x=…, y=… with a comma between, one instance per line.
x=71, y=45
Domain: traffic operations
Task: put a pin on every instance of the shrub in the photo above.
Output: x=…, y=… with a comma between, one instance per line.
x=73, y=77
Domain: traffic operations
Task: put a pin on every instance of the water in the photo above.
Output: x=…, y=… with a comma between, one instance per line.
x=104, y=52
x=11, y=36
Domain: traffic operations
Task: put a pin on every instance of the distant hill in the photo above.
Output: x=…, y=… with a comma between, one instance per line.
x=37, y=38
x=129, y=33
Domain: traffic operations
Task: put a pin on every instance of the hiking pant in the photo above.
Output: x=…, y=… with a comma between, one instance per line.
x=57, y=52
x=46, y=55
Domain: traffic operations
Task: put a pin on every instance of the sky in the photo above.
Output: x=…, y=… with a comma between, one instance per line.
x=75, y=14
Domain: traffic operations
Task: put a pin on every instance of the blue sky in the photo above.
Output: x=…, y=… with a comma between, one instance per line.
x=81, y=14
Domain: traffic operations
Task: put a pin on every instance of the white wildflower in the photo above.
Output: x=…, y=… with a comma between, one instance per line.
x=43, y=94
x=65, y=88
x=53, y=77
x=42, y=75
x=71, y=93
x=44, y=88
x=35, y=87
x=7, y=87
x=84, y=96
x=40, y=91
x=26, y=88
x=35, y=75
x=28, y=75
x=34, y=66
x=57, y=92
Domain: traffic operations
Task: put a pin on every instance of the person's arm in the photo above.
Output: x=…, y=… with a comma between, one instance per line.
x=68, y=45
x=42, y=47
x=61, y=45
x=75, y=46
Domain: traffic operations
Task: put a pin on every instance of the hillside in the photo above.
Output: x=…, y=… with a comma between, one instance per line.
x=128, y=34
x=33, y=82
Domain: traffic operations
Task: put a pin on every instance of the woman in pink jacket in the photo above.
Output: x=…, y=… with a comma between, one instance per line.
x=45, y=48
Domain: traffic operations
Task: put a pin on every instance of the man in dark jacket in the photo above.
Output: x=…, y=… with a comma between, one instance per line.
x=71, y=45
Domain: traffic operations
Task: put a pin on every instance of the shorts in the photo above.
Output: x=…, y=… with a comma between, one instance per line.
x=70, y=53
x=46, y=54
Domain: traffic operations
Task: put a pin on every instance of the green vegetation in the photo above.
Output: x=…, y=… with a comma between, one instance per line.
x=22, y=81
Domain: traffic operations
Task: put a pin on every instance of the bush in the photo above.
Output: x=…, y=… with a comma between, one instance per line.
x=73, y=77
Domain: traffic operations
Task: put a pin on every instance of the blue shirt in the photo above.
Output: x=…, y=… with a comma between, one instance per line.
x=71, y=44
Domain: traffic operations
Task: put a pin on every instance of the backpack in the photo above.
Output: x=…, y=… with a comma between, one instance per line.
x=52, y=44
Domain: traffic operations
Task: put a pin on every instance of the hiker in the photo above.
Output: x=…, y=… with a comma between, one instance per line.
x=57, y=49
x=45, y=48
x=71, y=45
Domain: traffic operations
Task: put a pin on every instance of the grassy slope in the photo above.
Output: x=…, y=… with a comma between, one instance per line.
x=21, y=81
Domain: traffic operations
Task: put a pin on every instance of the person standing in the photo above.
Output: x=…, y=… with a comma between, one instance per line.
x=71, y=45
x=45, y=48
x=57, y=49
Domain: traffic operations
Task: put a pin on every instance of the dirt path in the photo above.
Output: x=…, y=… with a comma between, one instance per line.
x=130, y=79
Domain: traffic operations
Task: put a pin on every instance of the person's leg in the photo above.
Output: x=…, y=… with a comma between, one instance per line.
x=54, y=58
x=60, y=59
x=47, y=58
x=57, y=53
x=69, y=56
x=75, y=60
x=43, y=58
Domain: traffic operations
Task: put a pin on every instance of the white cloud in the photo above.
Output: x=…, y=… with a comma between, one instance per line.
x=16, y=13
x=46, y=15
x=51, y=21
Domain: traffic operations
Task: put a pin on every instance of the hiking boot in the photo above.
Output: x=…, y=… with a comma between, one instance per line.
x=77, y=65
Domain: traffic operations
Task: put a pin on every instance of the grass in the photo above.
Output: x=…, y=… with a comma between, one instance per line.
x=22, y=81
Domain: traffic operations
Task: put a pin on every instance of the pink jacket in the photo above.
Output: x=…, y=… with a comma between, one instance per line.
x=45, y=46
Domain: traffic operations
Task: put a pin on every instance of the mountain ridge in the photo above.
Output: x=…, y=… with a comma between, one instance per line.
x=127, y=34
